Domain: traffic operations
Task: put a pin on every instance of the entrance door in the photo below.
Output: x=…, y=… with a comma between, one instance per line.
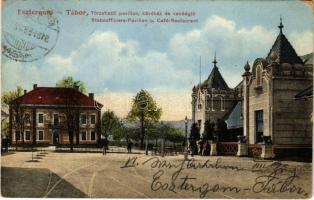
x=56, y=137
x=259, y=126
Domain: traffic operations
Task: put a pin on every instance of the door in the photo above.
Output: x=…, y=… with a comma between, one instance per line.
x=259, y=126
x=56, y=138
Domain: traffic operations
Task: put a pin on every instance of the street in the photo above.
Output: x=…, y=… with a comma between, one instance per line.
x=138, y=176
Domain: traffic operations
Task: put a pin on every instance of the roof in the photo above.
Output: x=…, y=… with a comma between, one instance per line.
x=306, y=93
x=57, y=96
x=240, y=85
x=284, y=50
x=308, y=58
x=234, y=120
x=215, y=80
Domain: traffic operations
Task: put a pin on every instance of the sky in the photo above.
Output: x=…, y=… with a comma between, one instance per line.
x=116, y=60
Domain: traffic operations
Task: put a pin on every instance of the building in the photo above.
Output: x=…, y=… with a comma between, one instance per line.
x=269, y=91
x=272, y=104
x=213, y=99
x=46, y=115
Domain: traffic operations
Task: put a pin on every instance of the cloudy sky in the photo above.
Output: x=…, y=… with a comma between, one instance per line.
x=117, y=60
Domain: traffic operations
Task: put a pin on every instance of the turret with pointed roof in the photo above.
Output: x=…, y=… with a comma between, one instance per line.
x=215, y=79
x=283, y=49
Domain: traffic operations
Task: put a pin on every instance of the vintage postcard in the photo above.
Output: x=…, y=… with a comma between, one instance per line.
x=156, y=99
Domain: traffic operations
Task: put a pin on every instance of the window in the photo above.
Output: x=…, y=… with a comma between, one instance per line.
x=27, y=118
x=259, y=126
x=55, y=119
x=27, y=135
x=17, y=135
x=40, y=118
x=40, y=135
x=92, y=135
x=93, y=119
x=259, y=76
x=222, y=104
x=83, y=119
x=83, y=135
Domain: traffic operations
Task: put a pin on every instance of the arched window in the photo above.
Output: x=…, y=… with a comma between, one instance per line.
x=212, y=99
x=207, y=100
x=259, y=75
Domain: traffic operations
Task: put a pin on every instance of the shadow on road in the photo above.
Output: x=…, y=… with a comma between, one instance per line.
x=31, y=182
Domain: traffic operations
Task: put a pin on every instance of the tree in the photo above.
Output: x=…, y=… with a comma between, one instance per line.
x=72, y=112
x=145, y=110
x=195, y=132
x=173, y=135
x=16, y=110
x=9, y=96
x=69, y=82
x=208, y=130
x=4, y=127
x=109, y=123
x=194, y=136
x=72, y=116
x=220, y=129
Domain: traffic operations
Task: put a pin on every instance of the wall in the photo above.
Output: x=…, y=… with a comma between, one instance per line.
x=48, y=129
x=259, y=100
x=292, y=118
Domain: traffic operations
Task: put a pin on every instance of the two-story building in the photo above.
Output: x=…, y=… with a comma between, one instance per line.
x=46, y=115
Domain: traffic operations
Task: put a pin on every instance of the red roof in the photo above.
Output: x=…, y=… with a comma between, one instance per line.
x=57, y=96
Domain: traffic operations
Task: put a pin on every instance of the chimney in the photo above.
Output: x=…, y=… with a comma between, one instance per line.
x=34, y=86
x=76, y=87
x=91, y=95
x=25, y=91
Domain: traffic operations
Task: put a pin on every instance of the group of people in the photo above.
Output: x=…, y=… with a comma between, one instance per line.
x=104, y=144
x=199, y=147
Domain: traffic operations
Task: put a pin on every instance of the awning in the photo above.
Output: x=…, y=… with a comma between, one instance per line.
x=235, y=119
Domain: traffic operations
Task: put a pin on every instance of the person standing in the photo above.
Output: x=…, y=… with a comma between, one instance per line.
x=105, y=146
x=130, y=146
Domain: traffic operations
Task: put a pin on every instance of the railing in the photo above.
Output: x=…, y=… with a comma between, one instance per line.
x=255, y=151
x=56, y=126
x=227, y=148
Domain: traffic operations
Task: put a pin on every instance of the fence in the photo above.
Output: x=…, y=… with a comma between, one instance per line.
x=227, y=148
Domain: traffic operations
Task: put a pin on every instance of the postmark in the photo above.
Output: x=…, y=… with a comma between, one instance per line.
x=29, y=37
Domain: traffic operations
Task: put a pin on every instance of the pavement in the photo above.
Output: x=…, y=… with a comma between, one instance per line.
x=119, y=175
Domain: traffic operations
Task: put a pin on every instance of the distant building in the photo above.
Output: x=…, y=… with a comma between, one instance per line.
x=46, y=116
x=213, y=99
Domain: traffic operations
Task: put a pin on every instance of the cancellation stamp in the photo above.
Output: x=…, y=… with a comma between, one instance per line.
x=30, y=34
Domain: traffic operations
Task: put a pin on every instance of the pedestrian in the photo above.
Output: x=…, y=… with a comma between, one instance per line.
x=205, y=149
x=200, y=147
x=130, y=146
x=6, y=145
x=105, y=146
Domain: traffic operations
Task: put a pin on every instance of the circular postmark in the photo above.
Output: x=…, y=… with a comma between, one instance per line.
x=28, y=34
x=142, y=101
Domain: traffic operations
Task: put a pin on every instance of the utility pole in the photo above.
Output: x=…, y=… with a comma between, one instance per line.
x=186, y=139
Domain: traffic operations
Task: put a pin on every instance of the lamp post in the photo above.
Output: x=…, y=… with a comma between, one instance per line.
x=186, y=140
x=162, y=140
x=146, y=142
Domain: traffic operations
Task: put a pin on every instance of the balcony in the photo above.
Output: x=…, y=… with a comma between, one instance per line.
x=56, y=126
